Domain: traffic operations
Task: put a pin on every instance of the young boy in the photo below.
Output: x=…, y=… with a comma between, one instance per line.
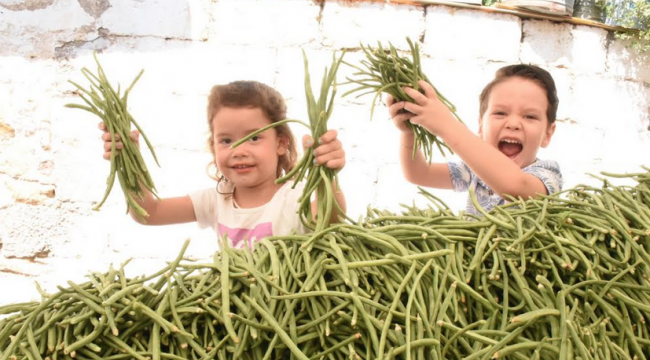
x=517, y=117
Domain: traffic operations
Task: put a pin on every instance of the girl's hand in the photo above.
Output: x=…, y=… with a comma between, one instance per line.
x=329, y=150
x=397, y=113
x=106, y=137
x=427, y=110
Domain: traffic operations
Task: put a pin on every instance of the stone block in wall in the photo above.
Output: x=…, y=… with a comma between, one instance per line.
x=79, y=171
x=35, y=29
x=545, y=43
x=593, y=101
x=28, y=192
x=588, y=52
x=159, y=242
x=290, y=76
x=574, y=163
x=346, y=24
x=457, y=34
x=265, y=22
x=19, y=159
x=563, y=83
x=393, y=191
x=605, y=102
x=372, y=141
x=173, y=67
x=461, y=82
x=26, y=88
x=22, y=288
x=625, y=62
x=358, y=180
x=32, y=231
x=170, y=19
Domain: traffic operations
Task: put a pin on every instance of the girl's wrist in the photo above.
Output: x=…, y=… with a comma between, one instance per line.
x=408, y=140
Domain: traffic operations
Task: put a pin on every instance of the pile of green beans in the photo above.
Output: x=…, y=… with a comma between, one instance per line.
x=111, y=107
x=319, y=178
x=561, y=277
x=386, y=71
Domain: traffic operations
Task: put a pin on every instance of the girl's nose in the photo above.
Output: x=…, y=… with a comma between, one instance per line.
x=240, y=150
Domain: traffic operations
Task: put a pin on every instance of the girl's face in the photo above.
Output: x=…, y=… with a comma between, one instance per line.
x=253, y=164
x=515, y=120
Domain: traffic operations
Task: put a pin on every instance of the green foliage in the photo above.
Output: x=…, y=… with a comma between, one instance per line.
x=635, y=16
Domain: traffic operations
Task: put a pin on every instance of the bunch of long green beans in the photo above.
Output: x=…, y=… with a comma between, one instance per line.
x=386, y=71
x=564, y=276
x=319, y=178
x=111, y=107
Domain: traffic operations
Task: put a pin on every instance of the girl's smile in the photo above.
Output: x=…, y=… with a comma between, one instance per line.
x=252, y=166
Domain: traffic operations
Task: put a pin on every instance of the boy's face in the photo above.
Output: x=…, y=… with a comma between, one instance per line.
x=515, y=120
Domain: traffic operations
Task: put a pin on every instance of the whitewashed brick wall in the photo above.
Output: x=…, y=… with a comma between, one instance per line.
x=52, y=173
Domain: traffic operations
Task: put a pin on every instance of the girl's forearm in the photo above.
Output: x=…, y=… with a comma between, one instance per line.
x=148, y=202
x=339, y=197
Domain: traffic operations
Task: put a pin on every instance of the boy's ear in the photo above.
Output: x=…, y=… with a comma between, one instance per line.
x=550, y=130
x=480, y=127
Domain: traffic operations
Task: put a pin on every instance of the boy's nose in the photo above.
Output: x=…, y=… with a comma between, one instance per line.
x=513, y=123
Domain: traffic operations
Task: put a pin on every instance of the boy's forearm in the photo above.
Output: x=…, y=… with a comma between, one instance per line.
x=412, y=167
x=499, y=173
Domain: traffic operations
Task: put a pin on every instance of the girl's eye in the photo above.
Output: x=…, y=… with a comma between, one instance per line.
x=255, y=138
x=225, y=141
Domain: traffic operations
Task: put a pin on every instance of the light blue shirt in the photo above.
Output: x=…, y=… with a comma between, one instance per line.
x=463, y=178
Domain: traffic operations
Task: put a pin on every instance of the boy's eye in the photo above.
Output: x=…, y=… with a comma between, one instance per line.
x=532, y=117
x=499, y=113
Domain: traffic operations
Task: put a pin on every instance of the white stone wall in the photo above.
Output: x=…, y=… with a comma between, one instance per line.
x=52, y=173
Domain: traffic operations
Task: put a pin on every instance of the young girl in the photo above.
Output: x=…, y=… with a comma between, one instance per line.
x=246, y=204
x=517, y=117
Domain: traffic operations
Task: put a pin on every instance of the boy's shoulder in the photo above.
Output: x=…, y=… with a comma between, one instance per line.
x=544, y=164
x=548, y=171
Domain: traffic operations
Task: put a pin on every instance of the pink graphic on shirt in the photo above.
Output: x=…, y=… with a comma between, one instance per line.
x=238, y=235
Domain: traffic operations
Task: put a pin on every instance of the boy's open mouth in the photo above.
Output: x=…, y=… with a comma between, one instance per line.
x=510, y=147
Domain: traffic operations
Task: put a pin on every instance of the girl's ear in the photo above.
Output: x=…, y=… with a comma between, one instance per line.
x=550, y=130
x=283, y=144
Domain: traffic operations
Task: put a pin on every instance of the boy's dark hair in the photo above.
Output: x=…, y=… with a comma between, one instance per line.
x=253, y=94
x=531, y=72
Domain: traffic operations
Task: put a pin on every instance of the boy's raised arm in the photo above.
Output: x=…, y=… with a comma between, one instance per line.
x=499, y=173
x=416, y=169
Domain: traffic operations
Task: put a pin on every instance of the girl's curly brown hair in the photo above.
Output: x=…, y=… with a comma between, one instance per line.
x=253, y=94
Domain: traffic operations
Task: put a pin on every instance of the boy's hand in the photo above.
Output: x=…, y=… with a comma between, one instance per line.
x=106, y=137
x=427, y=110
x=329, y=150
x=397, y=113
